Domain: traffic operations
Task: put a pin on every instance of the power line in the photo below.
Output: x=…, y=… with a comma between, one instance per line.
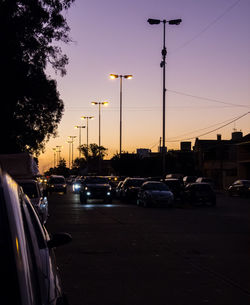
x=207, y=27
x=206, y=133
x=208, y=99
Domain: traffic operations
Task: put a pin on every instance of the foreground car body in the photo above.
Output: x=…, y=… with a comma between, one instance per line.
x=154, y=193
x=200, y=194
x=27, y=258
x=95, y=188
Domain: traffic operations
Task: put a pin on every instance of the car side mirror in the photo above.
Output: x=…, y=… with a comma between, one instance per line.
x=59, y=239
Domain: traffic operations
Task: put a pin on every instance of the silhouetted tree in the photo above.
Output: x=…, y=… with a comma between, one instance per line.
x=30, y=105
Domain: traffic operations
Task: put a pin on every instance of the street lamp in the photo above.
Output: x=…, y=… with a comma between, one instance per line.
x=99, y=107
x=87, y=118
x=80, y=128
x=58, y=150
x=72, y=143
x=54, y=156
x=69, y=142
x=114, y=76
x=163, y=65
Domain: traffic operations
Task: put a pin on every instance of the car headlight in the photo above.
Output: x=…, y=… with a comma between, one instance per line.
x=86, y=188
x=77, y=186
x=108, y=193
x=88, y=193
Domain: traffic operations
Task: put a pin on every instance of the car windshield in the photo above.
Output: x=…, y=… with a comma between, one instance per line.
x=58, y=180
x=246, y=182
x=202, y=187
x=135, y=182
x=30, y=190
x=155, y=187
x=96, y=180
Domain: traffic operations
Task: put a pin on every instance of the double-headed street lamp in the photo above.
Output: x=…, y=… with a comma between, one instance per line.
x=70, y=144
x=113, y=76
x=87, y=118
x=80, y=141
x=99, y=107
x=163, y=65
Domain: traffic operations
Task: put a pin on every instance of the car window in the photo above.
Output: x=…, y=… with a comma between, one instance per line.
x=59, y=180
x=96, y=180
x=155, y=187
x=30, y=189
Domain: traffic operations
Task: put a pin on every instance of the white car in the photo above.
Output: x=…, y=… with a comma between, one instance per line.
x=155, y=193
x=38, y=197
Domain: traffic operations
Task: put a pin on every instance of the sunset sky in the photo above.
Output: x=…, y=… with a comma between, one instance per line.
x=207, y=72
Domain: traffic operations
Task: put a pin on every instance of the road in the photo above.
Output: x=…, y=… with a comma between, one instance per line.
x=122, y=254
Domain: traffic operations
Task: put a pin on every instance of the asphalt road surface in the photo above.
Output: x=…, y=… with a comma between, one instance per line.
x=122, y=254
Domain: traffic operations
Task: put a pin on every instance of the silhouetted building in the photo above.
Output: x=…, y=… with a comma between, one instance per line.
x=220, y=159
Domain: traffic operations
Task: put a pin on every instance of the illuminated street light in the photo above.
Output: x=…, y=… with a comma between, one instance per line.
x=114, y=76
x=163, y=65
x=80, y=141
x=99, y=107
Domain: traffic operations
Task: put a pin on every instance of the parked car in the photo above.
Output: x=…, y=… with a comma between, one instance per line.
x=205, y=180
x=200, y=194
x=37, y=195
x=57, y=183
x=189, y=179
x=77, y=185
x=130, y=188
x=118, y=189
x=240, y=188
x=176, y=187
x=155, y=193
x=94, y=187
x=28, y=267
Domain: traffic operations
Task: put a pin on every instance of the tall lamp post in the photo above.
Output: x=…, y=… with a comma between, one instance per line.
x=54, y=156
x=99, y=107
x=72, y=143
x=87, y=118
x=113, y=76
x=80, y=137
x=163, y=65
x=58, y=150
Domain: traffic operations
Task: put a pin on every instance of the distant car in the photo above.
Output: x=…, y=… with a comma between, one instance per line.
x=155, y=193
x=94, y=187
x=118, y=189
x=130, y=188
x=37, y=195
x=27, y=258
x=205, y=180
x=57, y=183
x=240, y=188
x=200, y=194
x=176, y=187
x=189, y=179
x=77, y=185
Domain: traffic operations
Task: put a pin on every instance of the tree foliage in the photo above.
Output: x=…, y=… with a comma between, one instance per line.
x=31, y=107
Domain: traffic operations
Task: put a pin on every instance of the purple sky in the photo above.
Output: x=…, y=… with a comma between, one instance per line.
x=207, y=73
